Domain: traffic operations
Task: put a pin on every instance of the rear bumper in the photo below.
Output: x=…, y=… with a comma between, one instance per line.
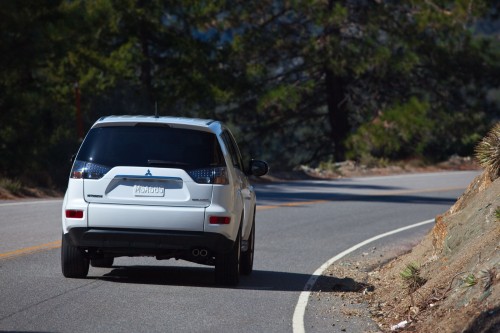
x=147, y=242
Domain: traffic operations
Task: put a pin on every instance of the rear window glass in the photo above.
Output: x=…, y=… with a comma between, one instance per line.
x=157, y=146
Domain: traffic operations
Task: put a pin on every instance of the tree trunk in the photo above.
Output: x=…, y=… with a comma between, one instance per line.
x=337, y=113
x=335, y=101
x=146, y=66
x=145, y=74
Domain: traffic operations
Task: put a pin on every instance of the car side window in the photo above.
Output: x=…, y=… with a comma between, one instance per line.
x=232, y=147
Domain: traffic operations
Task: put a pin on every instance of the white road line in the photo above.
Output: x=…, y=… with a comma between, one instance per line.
x=300, y=308
x=20, y=203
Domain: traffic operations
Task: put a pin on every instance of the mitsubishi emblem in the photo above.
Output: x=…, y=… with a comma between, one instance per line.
x=148, y=173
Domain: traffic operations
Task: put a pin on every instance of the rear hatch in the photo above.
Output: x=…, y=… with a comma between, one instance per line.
x=147, y=186
x=148, y=176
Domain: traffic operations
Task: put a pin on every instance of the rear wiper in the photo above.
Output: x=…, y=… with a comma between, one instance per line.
x=167, y=163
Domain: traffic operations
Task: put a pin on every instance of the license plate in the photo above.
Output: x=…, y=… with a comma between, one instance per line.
x=149, y=191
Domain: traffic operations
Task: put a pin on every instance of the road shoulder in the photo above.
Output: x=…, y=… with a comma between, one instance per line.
x=341, y=298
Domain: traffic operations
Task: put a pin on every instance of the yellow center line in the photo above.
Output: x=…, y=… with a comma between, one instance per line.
x=31, y=249
x=401, y=192
x=376, y=194
x=291, y=204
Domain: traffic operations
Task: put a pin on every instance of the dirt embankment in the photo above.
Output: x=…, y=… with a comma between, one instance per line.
x=454, y=285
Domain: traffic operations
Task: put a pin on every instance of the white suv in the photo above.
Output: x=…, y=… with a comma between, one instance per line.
x=162, y=187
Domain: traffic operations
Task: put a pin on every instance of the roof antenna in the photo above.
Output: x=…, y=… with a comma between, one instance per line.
x=156, y=109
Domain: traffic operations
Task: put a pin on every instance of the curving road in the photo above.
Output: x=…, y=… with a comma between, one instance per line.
x=300, y=226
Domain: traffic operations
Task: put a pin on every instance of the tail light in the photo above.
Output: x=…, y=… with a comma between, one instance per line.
x=74, y=214
x=210, y=176
x=220, y=220
x=88, y=170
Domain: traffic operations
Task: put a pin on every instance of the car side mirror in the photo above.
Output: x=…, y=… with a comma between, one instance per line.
x=258, y=168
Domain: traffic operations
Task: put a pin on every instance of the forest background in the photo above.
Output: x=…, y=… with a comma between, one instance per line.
x=298, y=82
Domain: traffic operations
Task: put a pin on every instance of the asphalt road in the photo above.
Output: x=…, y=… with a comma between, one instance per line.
x=300, y=225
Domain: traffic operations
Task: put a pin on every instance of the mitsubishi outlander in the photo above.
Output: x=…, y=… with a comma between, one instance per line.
x=169, y=188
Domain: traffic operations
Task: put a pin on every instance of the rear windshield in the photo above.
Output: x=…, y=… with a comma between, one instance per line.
x=157, y=146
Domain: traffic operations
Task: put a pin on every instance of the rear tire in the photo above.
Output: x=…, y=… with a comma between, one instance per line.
x=246, y=265
x=73, y=262
x=102, y=262
x=227, y=265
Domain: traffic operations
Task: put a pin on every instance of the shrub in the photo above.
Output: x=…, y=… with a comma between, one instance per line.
x=13, y=186
x=470, y=280
x=400, y=131
x=488, y=151
x=411, y=276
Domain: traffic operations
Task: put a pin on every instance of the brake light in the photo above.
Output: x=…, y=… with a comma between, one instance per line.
x=210, y=176
x=74, y=214
x=220, y=220
x=88, y=170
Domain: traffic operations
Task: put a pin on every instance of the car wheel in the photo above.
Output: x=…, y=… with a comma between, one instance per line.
x=246, y=265
x=227, y=265
x=73, y=262
x=102, y=262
